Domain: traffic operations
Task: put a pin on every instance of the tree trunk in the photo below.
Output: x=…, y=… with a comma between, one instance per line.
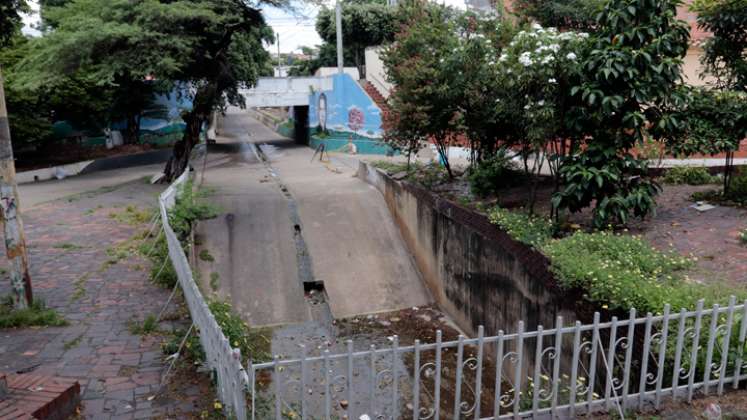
x=132, y=131
x=183, y=148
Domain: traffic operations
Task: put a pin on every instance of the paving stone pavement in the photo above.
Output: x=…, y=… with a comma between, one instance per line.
x=118, y=372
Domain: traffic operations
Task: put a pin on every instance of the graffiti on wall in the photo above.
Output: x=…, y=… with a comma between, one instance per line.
x=344, y=110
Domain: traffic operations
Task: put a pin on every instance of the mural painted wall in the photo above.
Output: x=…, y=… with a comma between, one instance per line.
x=346, y=112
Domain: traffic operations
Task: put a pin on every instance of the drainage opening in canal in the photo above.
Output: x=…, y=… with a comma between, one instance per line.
x=314, y=292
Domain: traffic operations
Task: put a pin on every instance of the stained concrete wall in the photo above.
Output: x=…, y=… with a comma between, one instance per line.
x=475, y=271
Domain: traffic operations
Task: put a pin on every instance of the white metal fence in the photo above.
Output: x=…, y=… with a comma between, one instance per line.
x=634, y=363
x=223, y=360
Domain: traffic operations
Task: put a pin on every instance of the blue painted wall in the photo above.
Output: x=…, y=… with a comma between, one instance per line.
x=350, y=113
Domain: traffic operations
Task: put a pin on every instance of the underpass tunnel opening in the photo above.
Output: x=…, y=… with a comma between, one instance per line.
x=301, y=124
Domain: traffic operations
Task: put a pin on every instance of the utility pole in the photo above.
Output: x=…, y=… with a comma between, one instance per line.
x=338, y=31
x=10, y=215
x=277, y=34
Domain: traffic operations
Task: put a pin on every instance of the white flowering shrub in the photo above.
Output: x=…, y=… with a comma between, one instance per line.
x=537, y=67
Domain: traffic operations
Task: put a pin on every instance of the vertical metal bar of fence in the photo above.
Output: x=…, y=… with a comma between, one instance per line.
x=253, y=387
x=740, y=347
x=574, y=368
x=662, y=354
x=372, y=386
x=303, y=382
x=694, y=350
x=498, y=375
x=349, y=378
x=517, y=368
x=593, y=363
x=395, y=379
x=628, y=357
x=712, y=332
x=416, y=383
x=644, y=361
x=327, y=386
x=278, y=392
x=610, y=363
x=556, y=365
x=437, y=385
x=458, y=385
x=478, y=379
x=678, y=353
x=725, y=347
x=537, y=369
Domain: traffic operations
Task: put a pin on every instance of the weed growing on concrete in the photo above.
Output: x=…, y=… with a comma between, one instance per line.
x=67, y=246
x=743, y=237
x=37, y=315
x=80, y=288
x=132, y=215
x=214, y=281
x=148, y=326
x=72, y=343
x=205, y=255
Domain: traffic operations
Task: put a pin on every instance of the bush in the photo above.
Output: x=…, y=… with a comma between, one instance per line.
x=689, y=175
x=489, y=175
x=529, y=229
x=622, y=272
x=738, y=188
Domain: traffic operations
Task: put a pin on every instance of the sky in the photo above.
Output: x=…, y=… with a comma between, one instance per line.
x=295, y=27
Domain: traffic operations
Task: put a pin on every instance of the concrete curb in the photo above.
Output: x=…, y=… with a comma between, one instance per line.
x=88, y=166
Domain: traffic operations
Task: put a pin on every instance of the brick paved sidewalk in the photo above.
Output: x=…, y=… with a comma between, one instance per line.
x=118, y=372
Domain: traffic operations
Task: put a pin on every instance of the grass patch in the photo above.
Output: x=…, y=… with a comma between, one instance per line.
x=67, y=246
x=529, y=229
x=73, y=343
x=206, y=256
x=38, y=315
x=214, y=281
x=132, y=215
x=623, y=271
x=689, y=175
x=148, y=326
x=80, y=287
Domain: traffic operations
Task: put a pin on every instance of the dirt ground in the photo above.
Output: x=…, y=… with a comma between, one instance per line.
x=731, y=406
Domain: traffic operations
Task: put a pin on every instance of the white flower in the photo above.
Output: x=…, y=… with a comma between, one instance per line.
x=536, y=26
x=554, y=47
x=540, y=103
x=552, y=80
x=502, y=58
x=583, y=35
x=571, y=56
x=526, y=106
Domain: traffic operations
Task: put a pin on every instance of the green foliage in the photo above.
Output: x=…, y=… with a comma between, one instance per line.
x=491, y=174
x=162, y=271
x=630, y=80
x=205, y=255
x=738, y=189
x=623, y=272
x=567, y=14
x=724, y=56
x=132, y=215
x=214, y=281
x=427, y=175
x=37, y=315
x=253, y=343
x=10, y=19
x=689, y=175
x=148, y=326
x=743, y=237
x=616, y=183
x=189, y=207
x=364, y=23
x=526, y=228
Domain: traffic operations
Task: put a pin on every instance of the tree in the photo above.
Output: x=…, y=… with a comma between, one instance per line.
x=536, y=71
x=207, y=49
x=364, y=24
x=724, y=56
x=10, y=19
x=422, y=65
x=630, y=79
x=566, y=14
